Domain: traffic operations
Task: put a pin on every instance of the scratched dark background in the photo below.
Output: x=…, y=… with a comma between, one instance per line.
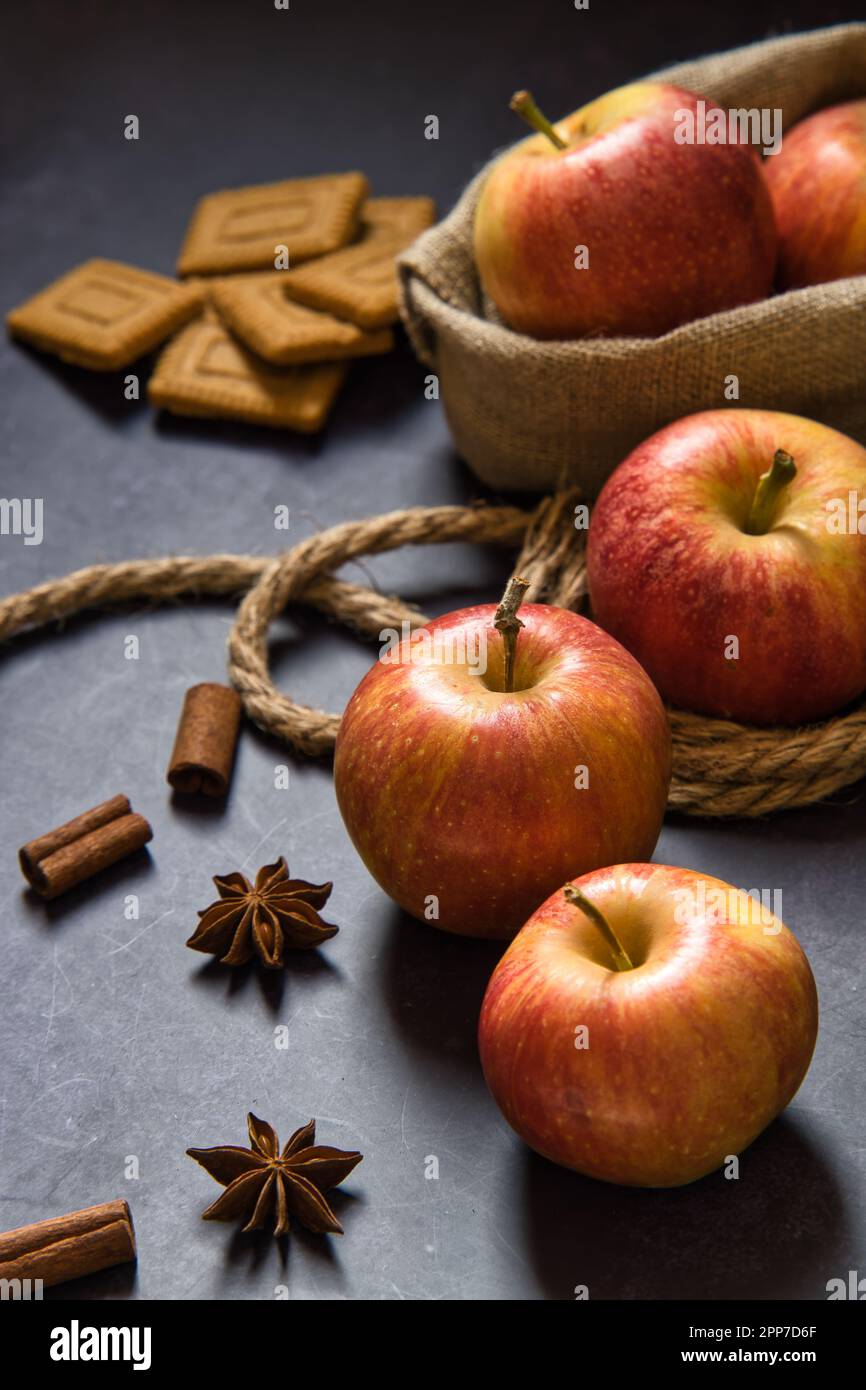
x=117, y=1041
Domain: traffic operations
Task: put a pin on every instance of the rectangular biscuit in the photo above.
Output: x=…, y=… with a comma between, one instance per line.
x=241, y=228
x=404, y=217
x=359, y=283
x=206, y=372
x=104, y=314
x=257, y=308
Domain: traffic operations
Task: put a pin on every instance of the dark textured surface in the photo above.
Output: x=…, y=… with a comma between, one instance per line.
x=116, y=1040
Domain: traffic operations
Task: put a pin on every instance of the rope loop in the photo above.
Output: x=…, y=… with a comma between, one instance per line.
x=720, y=768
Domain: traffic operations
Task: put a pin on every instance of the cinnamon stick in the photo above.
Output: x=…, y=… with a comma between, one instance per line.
x=80, y=848
x=66, y=1247
x=204, y=747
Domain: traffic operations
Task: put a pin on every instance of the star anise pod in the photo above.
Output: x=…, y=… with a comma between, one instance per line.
x=276, y=914
x=263, y=1184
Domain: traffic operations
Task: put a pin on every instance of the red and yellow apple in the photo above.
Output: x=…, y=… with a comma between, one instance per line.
x=673, y=231
x=818, y=185
x=469, y=801
x=736, y=577
x=649, y=1028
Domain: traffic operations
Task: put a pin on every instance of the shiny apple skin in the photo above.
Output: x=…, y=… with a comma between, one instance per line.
x=690, y=1055
x=449, y=788
x=672, y=573
x=675, y=232
x=817, y=182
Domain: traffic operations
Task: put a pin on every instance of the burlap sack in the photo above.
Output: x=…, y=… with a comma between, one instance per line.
x=536, y=415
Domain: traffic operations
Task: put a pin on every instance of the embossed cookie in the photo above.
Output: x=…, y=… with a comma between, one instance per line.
x=258, y=310
x=206, y=372
x=404, y=217
x=104, y=314
x=360, y=282
x=240, y=228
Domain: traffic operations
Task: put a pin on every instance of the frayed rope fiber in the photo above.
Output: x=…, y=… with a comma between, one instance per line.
x=719, y=769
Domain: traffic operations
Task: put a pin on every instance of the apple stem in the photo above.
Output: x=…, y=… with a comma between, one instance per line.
x=506, y=621
x=524, y=104
x=578, y=899
x=767, y=493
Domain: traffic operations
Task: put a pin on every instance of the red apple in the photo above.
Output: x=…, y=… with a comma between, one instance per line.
x=818, y=185
x=648, y=1041
x=673, y=231
x=468, y=800
x=742, y=598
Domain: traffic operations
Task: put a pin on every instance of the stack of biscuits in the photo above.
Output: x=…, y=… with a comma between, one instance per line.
x=280, y=285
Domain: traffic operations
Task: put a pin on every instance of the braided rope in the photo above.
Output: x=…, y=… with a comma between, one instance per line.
x=99, y=586
x=720, y=768
x=312, y=731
